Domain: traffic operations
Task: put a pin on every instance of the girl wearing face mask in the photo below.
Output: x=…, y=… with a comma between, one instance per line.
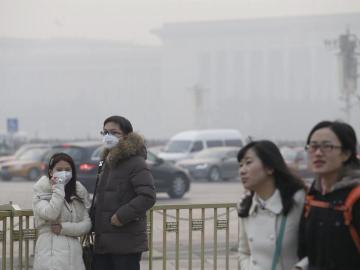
x=60, y=205
x=270, y=214
x=326, y=240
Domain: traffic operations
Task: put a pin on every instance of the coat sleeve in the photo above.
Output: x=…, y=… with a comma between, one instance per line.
x=49, y=210
x=143, y=185
x=244, y=249
x=84, y=225
x=77, y=228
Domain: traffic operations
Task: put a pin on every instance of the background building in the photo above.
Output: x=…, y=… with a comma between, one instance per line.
x=269, y=77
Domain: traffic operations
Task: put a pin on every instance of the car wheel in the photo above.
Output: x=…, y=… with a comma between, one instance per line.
x=178, y=187
x=214, y=175
x=6, y=177
x=227, y=179
x=33, y=174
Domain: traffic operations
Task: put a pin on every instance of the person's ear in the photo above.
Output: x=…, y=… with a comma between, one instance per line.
x=345, y=155
x=269, y=171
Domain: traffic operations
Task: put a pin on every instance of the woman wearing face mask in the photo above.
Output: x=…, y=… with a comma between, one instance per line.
x=60, y=205
x=270, y=214
x=124, y=192
x=326, y=240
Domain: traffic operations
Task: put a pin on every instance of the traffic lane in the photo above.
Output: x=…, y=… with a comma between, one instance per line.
x=205, y=192
x=18, y=191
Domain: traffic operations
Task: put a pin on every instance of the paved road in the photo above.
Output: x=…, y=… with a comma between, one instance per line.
x=20, y=192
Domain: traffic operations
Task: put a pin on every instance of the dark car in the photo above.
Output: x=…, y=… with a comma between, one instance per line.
x=213, y=164
x=168, y=178
x=86, y=158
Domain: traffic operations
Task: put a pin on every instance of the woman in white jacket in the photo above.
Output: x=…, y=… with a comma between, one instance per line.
x=275, y=201
x=60, y=205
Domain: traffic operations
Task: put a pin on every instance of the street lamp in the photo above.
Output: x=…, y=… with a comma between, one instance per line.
x=347, y=61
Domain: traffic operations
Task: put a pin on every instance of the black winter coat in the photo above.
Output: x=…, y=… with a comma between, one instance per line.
x=126, y=189
x=324, y=238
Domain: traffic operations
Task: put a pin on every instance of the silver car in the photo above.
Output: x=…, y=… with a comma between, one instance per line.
x=213, y=164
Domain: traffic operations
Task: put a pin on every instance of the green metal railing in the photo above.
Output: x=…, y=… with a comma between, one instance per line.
x=208, y=220
x=177, y=234
x=17, y=237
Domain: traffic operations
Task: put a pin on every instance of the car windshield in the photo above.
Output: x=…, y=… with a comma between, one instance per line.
x=178, y=147
x=97, y=153
x=74, y=152
x=151, y=157
x=22, y=150
x=32, y=154
x=211, y=153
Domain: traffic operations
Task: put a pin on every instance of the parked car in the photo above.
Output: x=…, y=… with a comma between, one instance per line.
x=214, y=164
x=86, y=157
x=297, y=160
x=186, y=144
x=21, y=150
x=5, y=150
x=27, y=164
x=168, y=178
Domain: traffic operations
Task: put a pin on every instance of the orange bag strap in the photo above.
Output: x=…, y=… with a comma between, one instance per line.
x=311, y=202
x=351, y=199
x=307, y=206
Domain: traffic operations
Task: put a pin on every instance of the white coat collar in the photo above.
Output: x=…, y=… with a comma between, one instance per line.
x=273, y=204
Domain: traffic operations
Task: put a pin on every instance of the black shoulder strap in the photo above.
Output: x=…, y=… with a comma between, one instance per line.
x=101, y=163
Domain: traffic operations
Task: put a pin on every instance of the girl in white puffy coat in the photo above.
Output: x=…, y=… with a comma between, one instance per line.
x=60, y=205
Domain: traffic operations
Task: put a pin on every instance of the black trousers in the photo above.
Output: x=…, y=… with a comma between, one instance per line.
x=116, y=261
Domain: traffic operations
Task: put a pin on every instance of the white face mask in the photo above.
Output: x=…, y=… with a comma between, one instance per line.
x=110, y=141
x=63, y=177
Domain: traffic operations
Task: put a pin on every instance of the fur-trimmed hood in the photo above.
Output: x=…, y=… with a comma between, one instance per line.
x=132, y=145
x=348, y=178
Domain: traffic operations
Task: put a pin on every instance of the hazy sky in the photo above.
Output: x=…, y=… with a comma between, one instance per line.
x=120, y=20
x=132, y=20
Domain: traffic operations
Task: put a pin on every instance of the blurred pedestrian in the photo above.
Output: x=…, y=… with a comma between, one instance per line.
x=60, y=205
x=270, y=214
x=327, y=237
x=124, y=192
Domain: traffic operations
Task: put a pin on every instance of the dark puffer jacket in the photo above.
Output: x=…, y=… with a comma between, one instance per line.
x=324, y=238
x=126, y=189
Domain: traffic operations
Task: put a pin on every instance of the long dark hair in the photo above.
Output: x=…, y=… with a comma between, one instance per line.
x=285, y=181
x=70, y=187
x=346, y=135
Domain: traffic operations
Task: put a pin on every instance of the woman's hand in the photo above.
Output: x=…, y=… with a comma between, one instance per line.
x=56, y=228
x=115, y=221
x=53, y=180
x=56, y=180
